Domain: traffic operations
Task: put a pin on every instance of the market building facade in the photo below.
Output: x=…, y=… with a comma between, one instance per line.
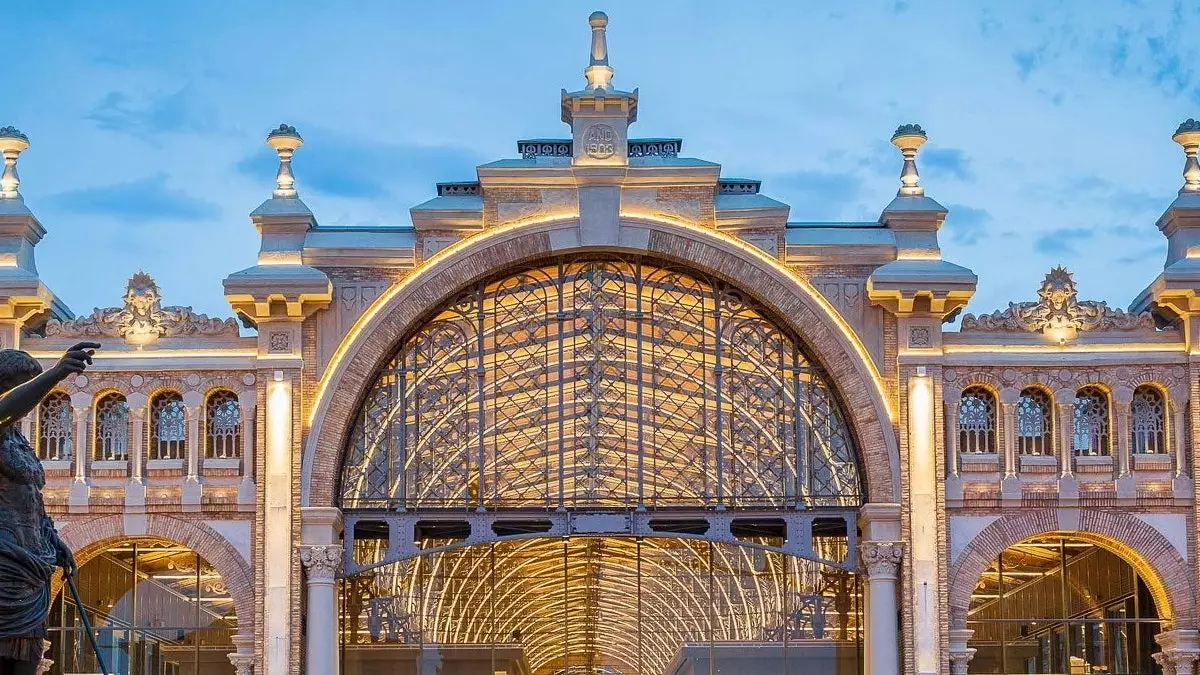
x=604, y=411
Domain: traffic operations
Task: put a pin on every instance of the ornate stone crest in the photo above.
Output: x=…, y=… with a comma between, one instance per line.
x=142, y=320
x=1058, y=313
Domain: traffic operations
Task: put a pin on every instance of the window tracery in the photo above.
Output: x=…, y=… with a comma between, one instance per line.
x=600, y=382
x=1148, y=420
x=168, y=426
x=223, y=425
x=1091, y=422
x=977, y=420
x=55, y=427
x=112, y=428
x=1035, y=426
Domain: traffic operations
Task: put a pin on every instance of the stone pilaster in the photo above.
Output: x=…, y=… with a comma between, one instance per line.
x=882, y=561
x=1180, y=651
x=960, y=653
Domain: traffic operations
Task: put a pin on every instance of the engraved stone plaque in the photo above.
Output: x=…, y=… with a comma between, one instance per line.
x=600, y=141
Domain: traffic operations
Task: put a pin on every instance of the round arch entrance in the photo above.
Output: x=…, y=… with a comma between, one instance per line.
x=601, y=464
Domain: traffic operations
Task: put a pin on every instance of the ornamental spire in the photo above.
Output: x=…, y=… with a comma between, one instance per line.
x=599, y=74
x=909, y=138
x=12, y=144
x=1188, y=136
x=284, y=141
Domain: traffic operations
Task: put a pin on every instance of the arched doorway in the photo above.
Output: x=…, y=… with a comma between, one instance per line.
x=606, y=466
x=156, y=606
x=1059, y=604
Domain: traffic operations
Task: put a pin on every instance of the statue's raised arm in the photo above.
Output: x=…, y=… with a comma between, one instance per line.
x=25, y=385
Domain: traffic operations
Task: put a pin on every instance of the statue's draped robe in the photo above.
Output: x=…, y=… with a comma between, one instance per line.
x=27, y=551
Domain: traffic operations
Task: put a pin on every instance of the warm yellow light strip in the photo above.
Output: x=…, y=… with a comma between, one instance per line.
x=1054, y=349
x=156, y=354
x=418, y=275
x=277, y=521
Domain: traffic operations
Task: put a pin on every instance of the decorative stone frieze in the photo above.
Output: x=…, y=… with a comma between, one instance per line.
x=142, y=319
x=1058, y=313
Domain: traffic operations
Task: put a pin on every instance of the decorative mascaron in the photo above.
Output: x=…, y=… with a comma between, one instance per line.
x=143, y=319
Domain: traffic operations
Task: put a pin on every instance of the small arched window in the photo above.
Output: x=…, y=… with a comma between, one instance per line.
x=1148, y=420
x=223, y=425
x=112, y=428
x=168, y=426
x=1035, y=426
x=977, y=420
x=55, y=427
x=1091, y=422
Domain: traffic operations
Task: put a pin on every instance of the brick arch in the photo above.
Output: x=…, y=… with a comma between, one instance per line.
x=1166, y=572
x=89, y=538
x=792, y=299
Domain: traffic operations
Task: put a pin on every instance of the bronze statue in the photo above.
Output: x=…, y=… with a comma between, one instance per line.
x=30, y=547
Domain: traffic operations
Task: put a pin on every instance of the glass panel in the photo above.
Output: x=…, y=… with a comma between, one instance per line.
x=112, y=428
x=1148, y=420
x=56, y=427
x=168, y=427
x=223, y=425
x=977, y=420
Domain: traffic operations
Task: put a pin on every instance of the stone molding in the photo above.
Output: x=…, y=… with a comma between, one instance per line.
x=882, y=558
x=322, y=563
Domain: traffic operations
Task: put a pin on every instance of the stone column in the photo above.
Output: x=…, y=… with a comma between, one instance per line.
x=1007, y=427
x=951, y=440
x=321, y=566
x=882, y=560
x=960, y=653
x=1068, y=486
x=192, y=491
x=246, y=491
x=1178, y=437
x=243, y=658
x=80, y=495
x=1121, y=400
x=1180, y=650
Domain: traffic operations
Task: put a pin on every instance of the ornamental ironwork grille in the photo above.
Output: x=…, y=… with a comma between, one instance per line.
x=1148, y=420
x=598, y=383
x=55, y=427
x=168, y=426
x=1035, y=426
x=112, y=428
x=977, y=420
x=1091, y=422
x=223, y=425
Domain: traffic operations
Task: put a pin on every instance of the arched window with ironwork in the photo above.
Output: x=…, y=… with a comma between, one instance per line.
x=55, y=427
x=112, y=428
x=1092, y=422
x=977, y=420
x=222, y=425
x=593, y=382
x=168, y=426
x=1148, y=420
x=1035, y=422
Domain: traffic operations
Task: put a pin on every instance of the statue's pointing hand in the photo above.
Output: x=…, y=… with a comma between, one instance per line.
x=76, y=360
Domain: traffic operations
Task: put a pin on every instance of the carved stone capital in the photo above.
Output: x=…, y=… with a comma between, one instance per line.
x=322, y=563
x=882, y=558
x=959, y=659
x=243, y=664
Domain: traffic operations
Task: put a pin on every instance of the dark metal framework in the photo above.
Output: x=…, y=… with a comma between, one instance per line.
x=600, y=383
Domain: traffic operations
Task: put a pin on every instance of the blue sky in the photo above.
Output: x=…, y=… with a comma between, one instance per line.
x=1049, y=127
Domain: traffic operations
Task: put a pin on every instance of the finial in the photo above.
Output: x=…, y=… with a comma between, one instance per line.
x=284, y=141
x=599, y=74
x=909, y=137
x=12, y=144
x=1188, y=135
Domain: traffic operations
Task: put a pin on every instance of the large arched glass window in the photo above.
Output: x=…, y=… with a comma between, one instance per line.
x=112, y=428
x=600, y=382
x=1148, y=420
x=222, y=425
x=1035, y=423
x=1060, y=605
x=156, y=607
x=1091, y=422
x=168, y=426
x=55, y=427
x=977, y=420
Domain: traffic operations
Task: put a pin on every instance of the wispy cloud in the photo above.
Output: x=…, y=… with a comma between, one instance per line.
x=343, y=166
x=179, y=112
x=816, y=194
x=1063, y=241
x=136, y=201
x=966, y=224
x=946, y=161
